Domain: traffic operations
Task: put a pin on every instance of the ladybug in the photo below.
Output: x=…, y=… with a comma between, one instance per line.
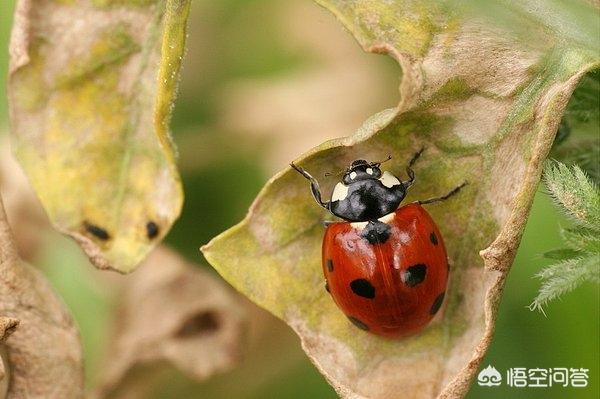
x=385, y=266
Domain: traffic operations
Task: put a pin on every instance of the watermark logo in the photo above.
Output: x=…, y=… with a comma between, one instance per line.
x=489, y=377
x=522, y=377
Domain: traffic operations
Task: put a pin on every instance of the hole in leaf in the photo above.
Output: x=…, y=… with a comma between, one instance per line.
x=202, y=323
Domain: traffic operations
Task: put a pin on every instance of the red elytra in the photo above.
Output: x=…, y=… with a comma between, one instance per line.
x=392, y=288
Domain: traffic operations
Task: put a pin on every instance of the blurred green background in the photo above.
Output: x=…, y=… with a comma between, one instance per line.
x=263, y=81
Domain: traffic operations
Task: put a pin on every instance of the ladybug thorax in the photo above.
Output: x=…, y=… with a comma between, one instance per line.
x=365, y=193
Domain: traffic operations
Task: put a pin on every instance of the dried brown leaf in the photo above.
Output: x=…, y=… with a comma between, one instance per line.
x=43, y=355
x=172, y=314
x=25, y=214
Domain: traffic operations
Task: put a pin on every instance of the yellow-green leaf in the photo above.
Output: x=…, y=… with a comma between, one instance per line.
x=483, y=90
x=91, y=85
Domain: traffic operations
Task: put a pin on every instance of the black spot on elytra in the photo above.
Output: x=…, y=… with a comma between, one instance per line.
x=437, y=304
x=358, y=323
x=329, y=265
x=327, y=286
x=362, y=287
x=152, y=230
x=433, y=239
x=96, y=231
x=376, y=232
x=414, y=275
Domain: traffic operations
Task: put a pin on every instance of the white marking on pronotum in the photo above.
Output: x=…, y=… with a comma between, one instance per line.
x=389, y=180
x=353, y=175
x=340, y=192
x=370, y=171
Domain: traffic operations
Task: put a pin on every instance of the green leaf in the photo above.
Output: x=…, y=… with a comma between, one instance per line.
x=578, y=138
x=89, y=105
x=486, y=103
x=583, y=152
x=584, y=106
x=582, y=239
x=575, y=193
x=564, y=277
x=578, y=198
x=562, y=254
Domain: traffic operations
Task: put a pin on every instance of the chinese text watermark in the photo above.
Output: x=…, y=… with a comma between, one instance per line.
x=522, y=377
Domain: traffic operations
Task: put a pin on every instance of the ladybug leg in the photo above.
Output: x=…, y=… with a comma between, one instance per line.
x=327, y=223
x=445, y=197
x=409, y=171
x=314, y=186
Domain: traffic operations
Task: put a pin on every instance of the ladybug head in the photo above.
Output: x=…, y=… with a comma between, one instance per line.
x=365, y=193
x=362, y=170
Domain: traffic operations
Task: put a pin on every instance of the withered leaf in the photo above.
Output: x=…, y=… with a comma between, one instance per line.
x=25, y=215
x=171, y=314
x=91, y=85
x=40, y=346
x=484, y=95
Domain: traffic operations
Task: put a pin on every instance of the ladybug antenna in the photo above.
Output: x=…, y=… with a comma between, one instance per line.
x=380, y=162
